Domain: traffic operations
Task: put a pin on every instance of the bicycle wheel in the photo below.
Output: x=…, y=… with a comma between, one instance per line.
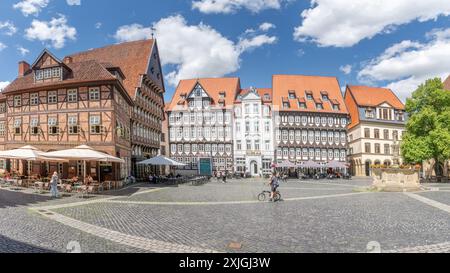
x=262, y=197
x=277, y=196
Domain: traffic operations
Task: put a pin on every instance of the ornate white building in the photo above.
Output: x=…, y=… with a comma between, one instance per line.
x=253, y=132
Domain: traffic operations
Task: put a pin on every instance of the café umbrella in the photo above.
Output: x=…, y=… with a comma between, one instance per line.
x=28, y=153
x=85, y=153
x=161, y=161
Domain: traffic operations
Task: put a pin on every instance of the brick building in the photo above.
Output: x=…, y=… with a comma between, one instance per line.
x=110, y=98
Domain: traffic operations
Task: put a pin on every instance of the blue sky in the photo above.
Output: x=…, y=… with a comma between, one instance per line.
x=389, y=43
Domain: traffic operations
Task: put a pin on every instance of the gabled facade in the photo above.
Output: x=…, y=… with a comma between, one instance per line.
x=253, y=132
x=377, y=124
x=56, y=105
x=200, y=122
x=311, y=119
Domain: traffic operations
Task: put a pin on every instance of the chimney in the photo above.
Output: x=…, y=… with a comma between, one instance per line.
x=24, y=67
x=68, y=60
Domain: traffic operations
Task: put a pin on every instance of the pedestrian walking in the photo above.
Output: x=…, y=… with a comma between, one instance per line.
x=54, y=185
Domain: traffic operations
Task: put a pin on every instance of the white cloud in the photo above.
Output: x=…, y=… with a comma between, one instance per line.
x=345, y=23
x=3, y=85
x=250, y=43
x=2, y=46
x=346, y=69
x=23, y=51
x=55, y=31
x=8, y=28
x=74, y=2
x=231, y=6
x=98, y=25
x=407, y=64
x=29, y=7
x=266, y=26
x=194, y=50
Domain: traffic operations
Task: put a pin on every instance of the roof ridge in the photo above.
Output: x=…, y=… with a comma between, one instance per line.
x=109, y=46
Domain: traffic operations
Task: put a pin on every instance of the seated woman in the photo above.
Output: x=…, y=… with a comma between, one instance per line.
x=88, y=180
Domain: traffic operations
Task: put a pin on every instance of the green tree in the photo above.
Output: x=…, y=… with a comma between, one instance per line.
x=428, y=128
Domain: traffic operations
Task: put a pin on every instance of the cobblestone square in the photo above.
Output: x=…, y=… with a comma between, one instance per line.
x=314, y=216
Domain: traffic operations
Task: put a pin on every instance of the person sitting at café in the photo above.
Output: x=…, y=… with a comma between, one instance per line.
x=74, y=179
x=88, y=180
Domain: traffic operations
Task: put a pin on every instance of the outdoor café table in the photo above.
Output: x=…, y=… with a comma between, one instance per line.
x=39, y=186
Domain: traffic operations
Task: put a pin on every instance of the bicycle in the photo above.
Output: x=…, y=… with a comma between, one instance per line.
x=263, y=195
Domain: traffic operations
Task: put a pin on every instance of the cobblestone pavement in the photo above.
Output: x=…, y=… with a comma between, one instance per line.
x=324, y=216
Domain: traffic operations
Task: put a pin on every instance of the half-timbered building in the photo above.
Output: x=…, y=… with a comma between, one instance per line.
x=58, y=104
x=310, y=119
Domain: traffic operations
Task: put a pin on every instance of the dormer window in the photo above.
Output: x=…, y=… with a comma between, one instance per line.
x=319, y=106
x=286, y=105
x=369, y=113
x=39, y=75
x=56, y=72
x=302, y=105
x=222, y=95
x=325, y=97
x=292, y=95
x=309, y=95
x=336, y=107
x=266, y=97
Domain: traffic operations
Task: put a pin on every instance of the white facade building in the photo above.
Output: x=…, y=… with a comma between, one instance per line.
x=253, y=132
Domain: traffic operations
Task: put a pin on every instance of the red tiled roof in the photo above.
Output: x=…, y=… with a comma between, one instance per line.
x=375, y=96
x=87, y=71
x=314, y=85
x=212, y=86
x=132, y=58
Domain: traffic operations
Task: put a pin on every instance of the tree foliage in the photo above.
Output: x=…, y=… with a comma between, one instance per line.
x=428, y=128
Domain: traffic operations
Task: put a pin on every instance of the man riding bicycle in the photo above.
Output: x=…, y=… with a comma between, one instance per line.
x=274, y=184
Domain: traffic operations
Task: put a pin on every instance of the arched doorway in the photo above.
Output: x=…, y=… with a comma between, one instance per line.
x=254, y=168
x=368, y=163
x=387, y=163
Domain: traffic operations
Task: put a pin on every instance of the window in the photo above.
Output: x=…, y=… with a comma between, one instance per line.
x=256, y=126
x=2, y=129
x=386, y=134
x=285, y=105
x=255, y=108
x=395, y=135
x=72, y=95
x=47, y=73
x=17, y=126
x=302, y=105
x=94, y=94
x=266, y=97
x=39, y=75
x=292, y=95
x=387, y=149
x=52, y=97
x=336, y=107
x=367, y=133
x=17, y=101
x=267, y=145
x=73, y=126
x=34, y=125
x=367, y=148
x=94, y=123
x=309, y=95
x=2, y=107
x=249, y=144
x=377, y=133
x=53, y=128
x=34, y=99
x=319, y=106
x=247, y=126
x=239, y=145
x=257, y=147
x=325, y=97
x=377, y=148
x=369, y=113
x=56, y=72
x=267, y=127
